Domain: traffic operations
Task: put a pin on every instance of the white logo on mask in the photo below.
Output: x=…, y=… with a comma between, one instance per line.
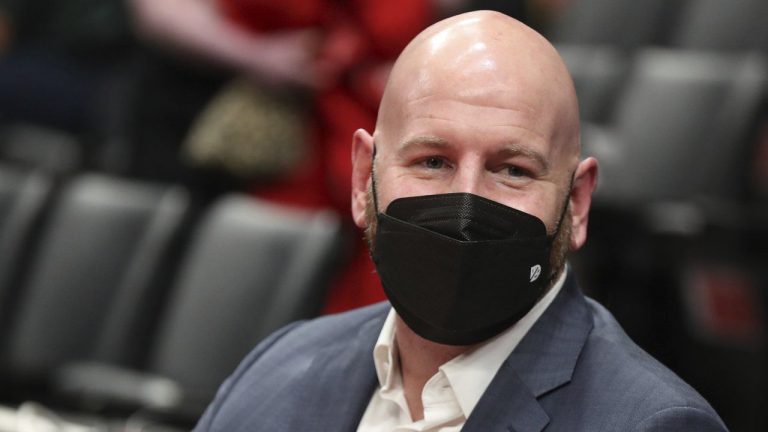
x=535, y=272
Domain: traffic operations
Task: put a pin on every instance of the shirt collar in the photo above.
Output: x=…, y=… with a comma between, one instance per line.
x=469, y=374
x=385, y=356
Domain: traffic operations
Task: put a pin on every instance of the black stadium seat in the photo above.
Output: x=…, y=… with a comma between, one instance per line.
x=681, y=110
x=90, y=250
x=723, y=25
x=597, y=72
x=251, y=268
x=24, y=195
x=625, y=24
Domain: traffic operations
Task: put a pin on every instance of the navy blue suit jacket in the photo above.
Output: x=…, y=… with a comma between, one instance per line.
x=576, y=370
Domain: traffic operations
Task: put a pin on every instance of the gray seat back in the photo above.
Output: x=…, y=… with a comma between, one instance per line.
x=620, y=23
x=97, y=231
x=597, y=72
x=252, y=268
x=723, y=25
x=47, y=149
x=680, y=131
x=23, y=197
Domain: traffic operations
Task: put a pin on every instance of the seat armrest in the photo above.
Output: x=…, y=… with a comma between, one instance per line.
x=107, y=384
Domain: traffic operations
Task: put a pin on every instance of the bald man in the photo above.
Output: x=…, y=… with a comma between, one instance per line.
x=472, y=192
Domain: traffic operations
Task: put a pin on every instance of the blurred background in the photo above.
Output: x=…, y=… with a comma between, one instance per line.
x=174, y=185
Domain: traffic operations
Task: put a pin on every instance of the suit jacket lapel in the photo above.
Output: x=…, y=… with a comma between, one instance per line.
x=543, y=361
x=344, y=379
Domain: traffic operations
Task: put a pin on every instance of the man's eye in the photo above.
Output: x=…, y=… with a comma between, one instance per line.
x=514, y=171
x=433, y=163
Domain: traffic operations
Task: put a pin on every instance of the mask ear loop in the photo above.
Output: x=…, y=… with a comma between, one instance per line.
x=373, y=180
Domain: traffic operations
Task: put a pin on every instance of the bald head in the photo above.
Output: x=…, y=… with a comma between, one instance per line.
x=486, y=58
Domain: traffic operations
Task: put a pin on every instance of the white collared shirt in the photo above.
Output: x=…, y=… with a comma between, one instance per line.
x=451, y=394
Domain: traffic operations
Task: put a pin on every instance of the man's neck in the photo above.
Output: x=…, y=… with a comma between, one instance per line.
x=420, y=359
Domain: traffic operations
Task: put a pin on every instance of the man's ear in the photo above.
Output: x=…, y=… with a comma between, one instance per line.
x=362, y=165
x=584, y=183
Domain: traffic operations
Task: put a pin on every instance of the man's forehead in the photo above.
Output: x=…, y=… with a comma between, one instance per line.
x=488, y=61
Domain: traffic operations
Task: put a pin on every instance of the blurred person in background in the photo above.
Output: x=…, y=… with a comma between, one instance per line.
x=321, y=65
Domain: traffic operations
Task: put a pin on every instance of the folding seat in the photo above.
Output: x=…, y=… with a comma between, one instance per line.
x=681, y=129
x=625, y=24
x=252, y=267
x=723, y=25
x=100, y=244
x=39, y=147
x=24, y=195
x=598, y=73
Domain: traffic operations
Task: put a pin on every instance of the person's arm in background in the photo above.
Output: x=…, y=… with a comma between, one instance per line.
x=386, y=40
x=196, y=28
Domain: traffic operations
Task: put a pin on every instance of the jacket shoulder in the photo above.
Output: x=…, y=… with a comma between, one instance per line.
x=280, y=362
x=615, y=375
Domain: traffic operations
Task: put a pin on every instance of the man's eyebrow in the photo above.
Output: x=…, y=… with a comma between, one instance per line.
x=422, y=141
x=514, y=150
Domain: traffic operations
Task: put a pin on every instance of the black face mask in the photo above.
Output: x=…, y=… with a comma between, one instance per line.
x=459, y=268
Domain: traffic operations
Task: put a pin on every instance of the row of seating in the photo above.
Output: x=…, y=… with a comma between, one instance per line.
x=648, y=114
x=687, y=24
x=148, y=287
x=673, y=98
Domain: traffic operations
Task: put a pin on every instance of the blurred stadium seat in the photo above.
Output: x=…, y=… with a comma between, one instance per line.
x=43, y=148
x=624, y=24
x=89, y=251
x=24, y=195
x=681, y=110
x=251, y=268
x=598, y=74
x=723, y=25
